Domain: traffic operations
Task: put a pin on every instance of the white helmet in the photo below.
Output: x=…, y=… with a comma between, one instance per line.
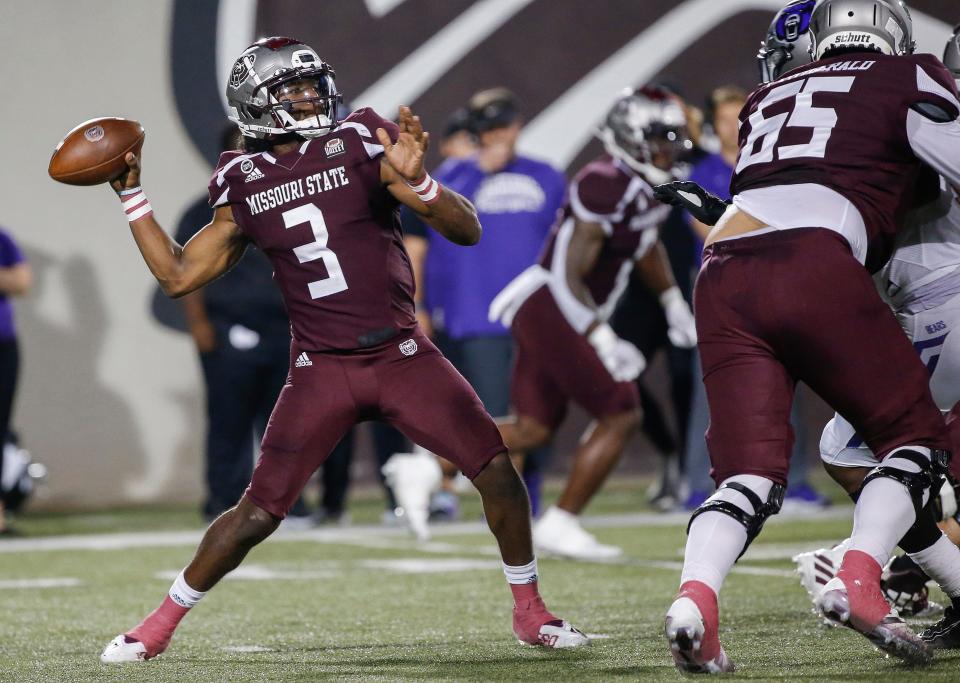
x=787, y=43
x=260, y=75
x=875, y=25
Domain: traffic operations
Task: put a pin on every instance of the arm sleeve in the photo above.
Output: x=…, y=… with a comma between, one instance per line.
x=218, y=189
x=366, y=121
x=933, y=119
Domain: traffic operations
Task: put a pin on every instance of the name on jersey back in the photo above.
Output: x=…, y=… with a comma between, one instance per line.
x=323, y=181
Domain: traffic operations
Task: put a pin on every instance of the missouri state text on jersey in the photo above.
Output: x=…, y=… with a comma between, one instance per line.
x=842, y=123
x=330, y=227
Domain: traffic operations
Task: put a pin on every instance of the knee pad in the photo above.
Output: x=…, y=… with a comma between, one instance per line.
x=726, y=501
x=895, y=466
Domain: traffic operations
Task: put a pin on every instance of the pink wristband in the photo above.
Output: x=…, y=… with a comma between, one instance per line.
x=426, y=188
x=135, y=204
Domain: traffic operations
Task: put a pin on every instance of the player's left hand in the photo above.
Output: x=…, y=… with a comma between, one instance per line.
x=682, y=330
x=406, y=156
x=705, y=207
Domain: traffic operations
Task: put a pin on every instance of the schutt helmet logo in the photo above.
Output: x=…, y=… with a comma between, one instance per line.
x=408, y=348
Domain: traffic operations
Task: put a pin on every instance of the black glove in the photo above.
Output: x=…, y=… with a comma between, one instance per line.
x=705, y=207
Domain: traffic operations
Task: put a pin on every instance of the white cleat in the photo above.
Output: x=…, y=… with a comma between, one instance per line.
x=558, y=634
x=123, y=650
x=816, y=568
x=684, y=630
x=558, y=532
x=414, y=477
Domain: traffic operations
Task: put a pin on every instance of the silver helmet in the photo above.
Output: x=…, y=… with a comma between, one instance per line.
x=643, y=124
x=787, y=43
x=951, y=55
x=877, y=25
x=267, y=87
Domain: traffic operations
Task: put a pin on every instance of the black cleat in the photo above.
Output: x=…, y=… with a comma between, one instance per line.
x=945, y=634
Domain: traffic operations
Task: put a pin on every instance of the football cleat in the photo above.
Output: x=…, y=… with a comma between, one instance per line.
x=890, y=634
x=413, y=477
x=558, y=532
x=123, y=650
x=816, y=568
x=945, y=634
x=687, y=636
x=557, y=634
x=904, y=585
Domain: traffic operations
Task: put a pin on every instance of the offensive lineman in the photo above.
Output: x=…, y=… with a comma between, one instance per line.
x=921, y=283
x=557, y=309
x=320, y=198
x=819, y=186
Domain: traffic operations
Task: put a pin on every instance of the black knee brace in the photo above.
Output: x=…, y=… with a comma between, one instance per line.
x=752, y=523
x=930, y=475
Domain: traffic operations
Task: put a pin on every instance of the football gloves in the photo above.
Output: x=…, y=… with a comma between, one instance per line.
x=681, y=329
x=705, y=207
x=622, y=359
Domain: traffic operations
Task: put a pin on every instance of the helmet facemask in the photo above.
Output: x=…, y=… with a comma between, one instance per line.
x=304, y=104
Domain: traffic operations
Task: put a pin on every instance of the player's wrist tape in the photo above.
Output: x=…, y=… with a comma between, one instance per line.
x=603, y=338
x=426, y=188
x=135, y=204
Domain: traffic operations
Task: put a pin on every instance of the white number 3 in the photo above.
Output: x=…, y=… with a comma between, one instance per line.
x=804, y=115
x=316, y=250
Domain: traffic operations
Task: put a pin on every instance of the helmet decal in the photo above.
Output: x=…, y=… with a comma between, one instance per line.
x=795, y=20
x=241, y=69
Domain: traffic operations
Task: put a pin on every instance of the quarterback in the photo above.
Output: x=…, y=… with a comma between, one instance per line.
x=320, y=197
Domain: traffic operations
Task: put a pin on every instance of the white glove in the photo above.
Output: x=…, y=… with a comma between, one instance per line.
x=682, y=330
x=621, y=358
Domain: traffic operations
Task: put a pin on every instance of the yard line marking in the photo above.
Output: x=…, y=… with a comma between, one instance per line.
x=246, y=648
x=17, y=584
x=352, y=534
x=430, y=566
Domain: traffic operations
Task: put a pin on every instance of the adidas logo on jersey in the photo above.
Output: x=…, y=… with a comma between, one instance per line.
x=253, y=173
x=303, y=360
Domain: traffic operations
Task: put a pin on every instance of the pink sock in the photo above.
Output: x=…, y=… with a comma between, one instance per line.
x=526, y=598
x=706, y=601
x=860, y=574
x=156, y=630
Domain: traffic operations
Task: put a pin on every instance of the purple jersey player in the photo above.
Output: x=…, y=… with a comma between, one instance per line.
x=557, y=309
x=831, y=157
x=320, y=198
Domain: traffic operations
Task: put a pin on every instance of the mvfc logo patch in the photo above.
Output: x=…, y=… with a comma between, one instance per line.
x=334, y=147
x=408, y=348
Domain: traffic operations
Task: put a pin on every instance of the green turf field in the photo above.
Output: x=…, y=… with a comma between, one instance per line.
x=366, y=603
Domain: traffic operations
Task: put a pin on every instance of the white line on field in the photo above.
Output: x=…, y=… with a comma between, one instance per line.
x=351, y=534
x=17, y=584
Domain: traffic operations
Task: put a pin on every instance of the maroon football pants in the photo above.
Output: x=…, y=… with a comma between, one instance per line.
x=406, y=383
x=792, y=306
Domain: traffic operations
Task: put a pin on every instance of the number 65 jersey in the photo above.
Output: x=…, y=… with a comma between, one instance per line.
x=330, y=228
x=839, y=143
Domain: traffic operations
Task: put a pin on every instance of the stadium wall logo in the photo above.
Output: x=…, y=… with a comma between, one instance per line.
x=433, y=56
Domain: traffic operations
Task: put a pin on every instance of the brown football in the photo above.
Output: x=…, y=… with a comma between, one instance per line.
x=94, y=151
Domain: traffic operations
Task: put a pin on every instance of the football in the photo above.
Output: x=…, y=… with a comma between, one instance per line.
x=94, y=151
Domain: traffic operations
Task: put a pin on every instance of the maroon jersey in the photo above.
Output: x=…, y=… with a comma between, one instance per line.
x=331, y=230
x=622, y=202
x=841, y=122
